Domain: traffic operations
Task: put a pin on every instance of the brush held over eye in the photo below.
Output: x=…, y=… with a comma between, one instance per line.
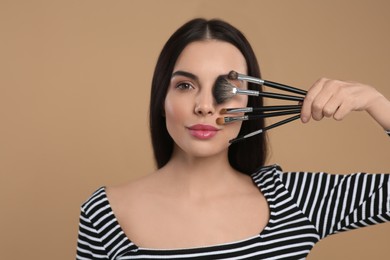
x=233, y=75
x=224, y=90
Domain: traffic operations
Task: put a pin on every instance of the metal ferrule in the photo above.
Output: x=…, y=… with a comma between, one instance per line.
x=234, y=119
x=240, y=110
x=250, y=79
x=246, y=92
x=254, y=133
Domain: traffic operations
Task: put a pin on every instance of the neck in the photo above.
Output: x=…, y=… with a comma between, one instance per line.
x=201, y=176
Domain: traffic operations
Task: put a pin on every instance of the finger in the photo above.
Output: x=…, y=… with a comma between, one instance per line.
x=342, y=112
x=319, y=103
x=306, y=111
x=347, y=104
x=331, y=106
x=325, y=94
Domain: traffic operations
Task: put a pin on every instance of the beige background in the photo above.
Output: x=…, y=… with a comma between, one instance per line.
x=74, y=91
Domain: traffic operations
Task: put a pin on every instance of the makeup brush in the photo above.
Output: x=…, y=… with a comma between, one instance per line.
x=233, y=75
x=226, y=120
x=224, y=90
x=258, y=109
x=282, y=122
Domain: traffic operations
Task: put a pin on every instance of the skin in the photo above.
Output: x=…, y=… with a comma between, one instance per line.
x=198, y=192
x=336, y=99
x=196, y=89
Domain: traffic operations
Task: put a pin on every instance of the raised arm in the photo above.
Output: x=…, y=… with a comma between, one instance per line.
x=335, y=203
x=335, y=98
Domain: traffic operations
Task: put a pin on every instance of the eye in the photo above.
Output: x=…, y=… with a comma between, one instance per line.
x=184, y=86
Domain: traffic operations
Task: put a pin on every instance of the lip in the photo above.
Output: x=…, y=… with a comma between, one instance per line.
x=203, y=132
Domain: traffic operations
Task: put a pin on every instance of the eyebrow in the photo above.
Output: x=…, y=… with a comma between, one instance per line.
x=185, y=74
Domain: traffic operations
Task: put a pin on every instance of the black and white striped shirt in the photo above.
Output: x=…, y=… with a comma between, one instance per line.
x=304, y=208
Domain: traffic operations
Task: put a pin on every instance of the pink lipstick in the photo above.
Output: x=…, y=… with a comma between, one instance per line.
x=203, y=131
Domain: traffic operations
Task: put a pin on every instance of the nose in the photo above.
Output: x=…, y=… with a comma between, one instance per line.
x=204, y=103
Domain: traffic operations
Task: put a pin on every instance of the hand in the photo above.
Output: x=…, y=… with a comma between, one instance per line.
x=335, y=98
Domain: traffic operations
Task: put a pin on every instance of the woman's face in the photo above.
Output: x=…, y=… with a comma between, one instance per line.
x=190, y=108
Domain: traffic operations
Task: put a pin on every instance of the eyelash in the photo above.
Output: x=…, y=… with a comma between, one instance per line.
x=184, y=86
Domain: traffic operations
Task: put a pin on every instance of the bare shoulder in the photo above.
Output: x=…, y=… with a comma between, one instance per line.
x=136, y=205
x=132, y=192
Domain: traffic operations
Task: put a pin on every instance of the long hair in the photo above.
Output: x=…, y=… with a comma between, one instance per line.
x=245, y=156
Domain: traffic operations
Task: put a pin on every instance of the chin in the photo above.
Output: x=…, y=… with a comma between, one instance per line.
x=205, y=149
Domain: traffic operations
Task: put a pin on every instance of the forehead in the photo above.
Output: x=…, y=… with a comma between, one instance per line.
x=213, y=56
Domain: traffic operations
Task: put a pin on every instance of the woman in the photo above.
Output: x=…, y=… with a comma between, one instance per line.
x=212, y=200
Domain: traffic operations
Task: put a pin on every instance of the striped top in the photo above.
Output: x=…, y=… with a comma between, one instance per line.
x=304, y=208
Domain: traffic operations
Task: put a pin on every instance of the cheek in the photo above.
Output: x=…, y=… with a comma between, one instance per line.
x=243, y=101
x=175, y=112
x=237, y=101
x=234, y=130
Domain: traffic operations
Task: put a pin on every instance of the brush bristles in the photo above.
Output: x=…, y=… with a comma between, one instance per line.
x=233, y=75
x=223, y=111
x=223, y=90
x=220, y=121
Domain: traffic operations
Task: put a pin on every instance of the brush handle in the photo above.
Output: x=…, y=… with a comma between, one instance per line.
x=282, y=122
x=249, y=92
x=271, y=84
x=280, y=96
x=261, y=109
x=273, y=114
x=276, y=108
x=228, y=120
x=284, y=87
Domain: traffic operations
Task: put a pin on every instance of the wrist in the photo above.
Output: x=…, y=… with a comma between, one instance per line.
x=380, y=111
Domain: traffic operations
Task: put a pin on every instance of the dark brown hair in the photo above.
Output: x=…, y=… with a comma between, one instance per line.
x=245, y=156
